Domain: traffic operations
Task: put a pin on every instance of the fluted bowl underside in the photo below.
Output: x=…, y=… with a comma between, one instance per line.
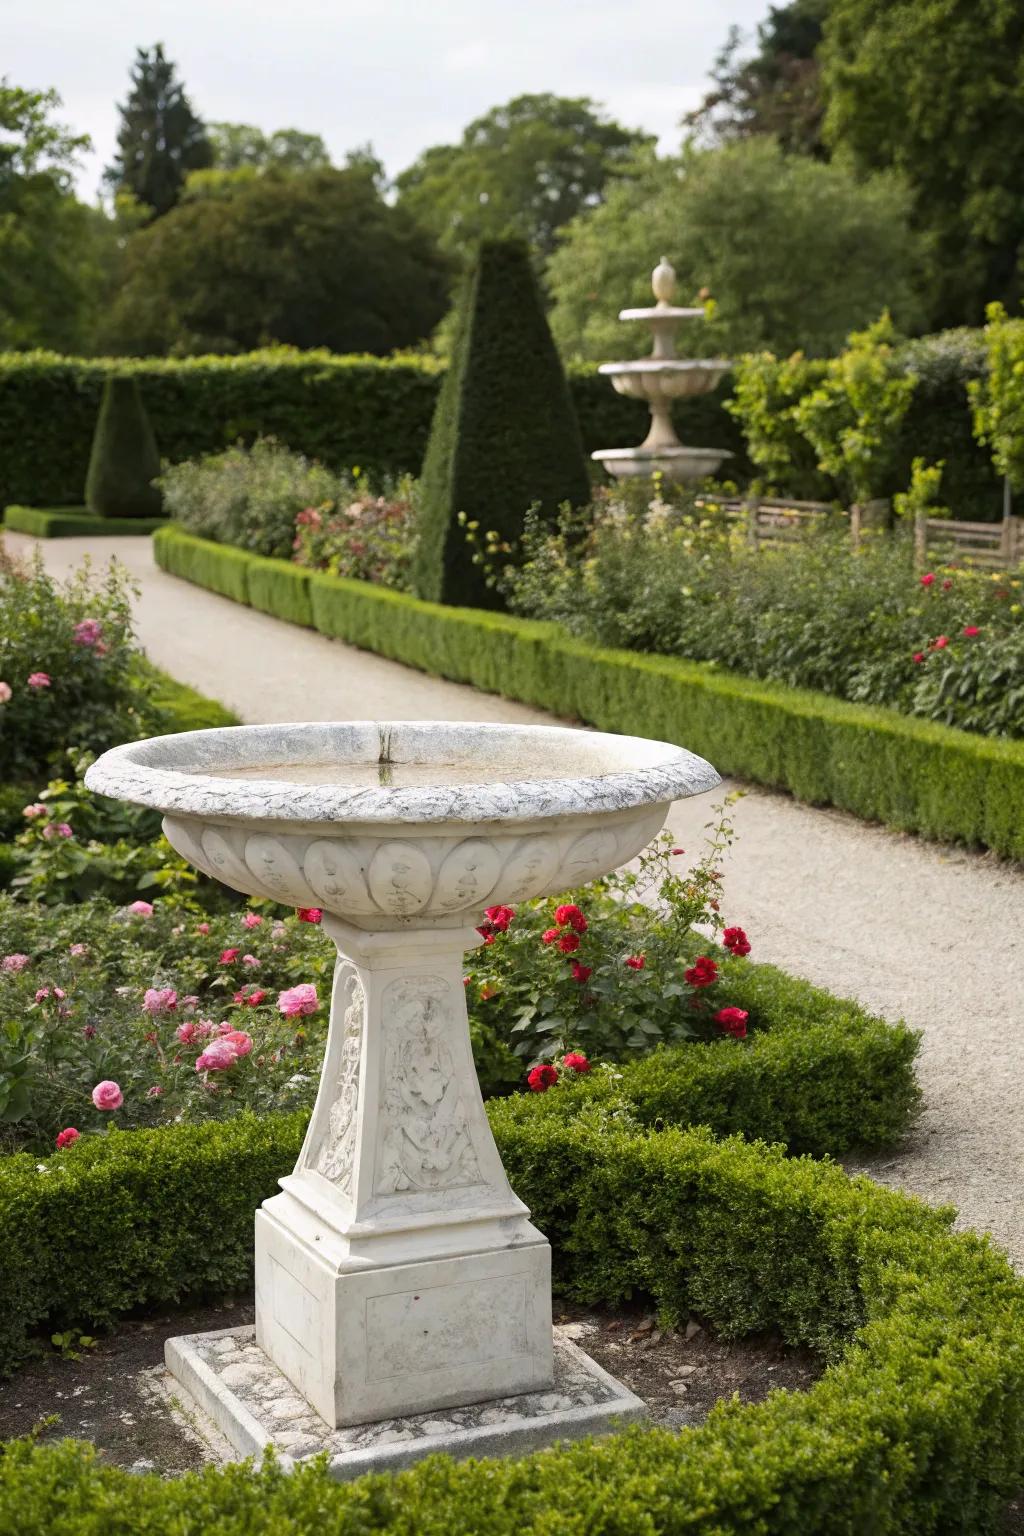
x=665, y=378
x=403, y=823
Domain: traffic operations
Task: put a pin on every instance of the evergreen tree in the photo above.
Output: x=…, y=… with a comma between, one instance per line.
x=124, y=460
x=504, y=436
x=160, y=139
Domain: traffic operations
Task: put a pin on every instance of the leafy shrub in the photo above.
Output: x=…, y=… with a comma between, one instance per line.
x=248, y=497
x=504, y=435
x=997, y=397
x=124, y=462
x=363, y=536
x=916, y=1425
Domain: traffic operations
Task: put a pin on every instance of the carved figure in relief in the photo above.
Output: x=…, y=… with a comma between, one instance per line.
x=335, y=1157
x=424, y=1140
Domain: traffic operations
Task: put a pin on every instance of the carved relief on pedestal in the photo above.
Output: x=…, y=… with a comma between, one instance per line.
x=423, y=1140
x=336, y=875
x=335, y=1153
x=277, y=871
x=530, y=869
x=400, y=879
x=467, y=876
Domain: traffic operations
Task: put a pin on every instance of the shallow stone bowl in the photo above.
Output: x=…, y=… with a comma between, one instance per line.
x=651, y=379
x=407, y=824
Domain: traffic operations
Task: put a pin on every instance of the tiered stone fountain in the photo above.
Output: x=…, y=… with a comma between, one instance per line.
x=660, y=379
x=403, y=1300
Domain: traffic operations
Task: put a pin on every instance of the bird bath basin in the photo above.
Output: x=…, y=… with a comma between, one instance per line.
x=396, y=1271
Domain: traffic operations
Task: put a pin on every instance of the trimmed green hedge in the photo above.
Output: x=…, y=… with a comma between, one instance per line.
x=819, y=1075
x=346, y=411
x=917, y=1424
x=70, y=522
x=946, y=784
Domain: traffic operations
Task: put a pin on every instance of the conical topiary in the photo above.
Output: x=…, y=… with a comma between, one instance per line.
x=504, y=434
x=124, y=460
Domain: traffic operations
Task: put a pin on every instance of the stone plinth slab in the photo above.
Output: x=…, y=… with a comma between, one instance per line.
x=230, y=1379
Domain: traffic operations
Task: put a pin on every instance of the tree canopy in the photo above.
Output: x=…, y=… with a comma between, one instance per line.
x=160, y=139
x=234, y=145
x=795, y=253
x=522, y=170
x=935, y=88
x=310, y=259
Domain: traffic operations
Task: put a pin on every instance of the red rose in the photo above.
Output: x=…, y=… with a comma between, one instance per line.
x=229, y=955
x=309, y=914
x=541, y=1079
x=940, y=643
x=946, y=584
x=970, y=630
x=736, y=941
x=500, y=917
x=568, y=942
x=919, y=656
x=576, y=1062
x=66, y=1137
x=487, y=933
x=580, y=972
x=550, y=935
x=571, y=915
x=733, y=1021
x=636, y=962
x=927, y=580
x=677, y=851
x=703, y=972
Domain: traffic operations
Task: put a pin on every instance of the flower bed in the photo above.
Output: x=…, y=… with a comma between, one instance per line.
x=881, y=765
x=916, y=1424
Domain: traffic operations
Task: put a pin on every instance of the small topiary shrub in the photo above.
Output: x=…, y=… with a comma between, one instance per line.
x=504, y=435
x=124, y=461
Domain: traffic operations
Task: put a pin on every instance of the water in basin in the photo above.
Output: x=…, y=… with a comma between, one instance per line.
x=392, y=775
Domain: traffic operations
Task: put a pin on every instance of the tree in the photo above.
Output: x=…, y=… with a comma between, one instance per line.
x=525, y=169
x=795, y=252
x=777, y=91
x=311, y=259
x=124, y=461
x=935, y=89
x=504, y=436
x=234, y=145
x=160, y=139
x=51, y=246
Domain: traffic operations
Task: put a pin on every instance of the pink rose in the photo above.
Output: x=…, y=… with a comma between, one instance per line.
x=32, y=811
x=217, y=1057
x=186, y=1032
x=160, y=1000
x=5, y=693
x=250, y=960
x=56, y=829
x=87, y=631
x=203, y=928
x=14, y=962
x=78, y=949
x=300, y=999
x=251, y=920
x=39, y=680
x=67, y=1136
x=141, y=909
x=107, y=1095
x=155, y=1092
x=240, y=1040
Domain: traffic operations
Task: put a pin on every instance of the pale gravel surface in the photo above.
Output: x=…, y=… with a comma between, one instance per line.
x=911, y=929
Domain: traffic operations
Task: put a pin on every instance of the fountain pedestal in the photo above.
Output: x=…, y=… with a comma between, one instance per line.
x=397, y=1271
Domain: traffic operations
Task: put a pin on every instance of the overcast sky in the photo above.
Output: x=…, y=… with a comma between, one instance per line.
x=403, y=74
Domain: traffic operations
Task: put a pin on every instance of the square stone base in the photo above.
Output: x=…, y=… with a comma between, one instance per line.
x=230, y=1379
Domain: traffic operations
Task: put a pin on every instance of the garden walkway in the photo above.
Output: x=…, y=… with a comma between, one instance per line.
x=910, y=929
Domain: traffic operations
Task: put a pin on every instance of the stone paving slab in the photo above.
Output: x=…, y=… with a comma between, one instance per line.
x=229, y=1380
x=910, y=929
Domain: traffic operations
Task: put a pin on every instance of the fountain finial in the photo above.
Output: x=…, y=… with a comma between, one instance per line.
x=663, y=281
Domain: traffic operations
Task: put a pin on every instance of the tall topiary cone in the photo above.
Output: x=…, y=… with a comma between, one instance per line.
x=124, y=460
x=504, y=434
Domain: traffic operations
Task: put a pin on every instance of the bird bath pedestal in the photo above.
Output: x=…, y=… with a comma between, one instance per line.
x=398, y=1277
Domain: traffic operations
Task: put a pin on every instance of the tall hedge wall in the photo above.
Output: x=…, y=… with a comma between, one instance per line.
x=367, y=411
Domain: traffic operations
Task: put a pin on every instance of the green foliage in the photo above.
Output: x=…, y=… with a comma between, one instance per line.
x=310, y=259
x=248, y=497
x=160, y=138
x=881, y=765
x=504, y=435
x=361, y=535
x=769, y=252
x=997, y=397
x=916, y=1425
x=523, y=170
x=933, y=89
x=74, y=523
x=124, y=462
x=235, y=146
x=922, y=494
x=764, y=400
x=853, y=415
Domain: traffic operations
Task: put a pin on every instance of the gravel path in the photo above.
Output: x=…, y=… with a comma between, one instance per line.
x=911, y=929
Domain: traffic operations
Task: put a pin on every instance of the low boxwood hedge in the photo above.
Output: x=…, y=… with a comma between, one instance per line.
x=134, y=1218
x=70, y=522
x=917, y=1424
x=881, y=765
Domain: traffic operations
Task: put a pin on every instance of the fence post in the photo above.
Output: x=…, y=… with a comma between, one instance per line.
x=921, y=538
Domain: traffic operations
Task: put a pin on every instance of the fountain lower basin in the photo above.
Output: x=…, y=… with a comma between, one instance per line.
x=396, y=1271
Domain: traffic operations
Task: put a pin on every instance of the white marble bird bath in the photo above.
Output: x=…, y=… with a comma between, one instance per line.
x=397, y=1272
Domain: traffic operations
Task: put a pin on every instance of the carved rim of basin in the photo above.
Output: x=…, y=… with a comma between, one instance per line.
x=526, y=773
